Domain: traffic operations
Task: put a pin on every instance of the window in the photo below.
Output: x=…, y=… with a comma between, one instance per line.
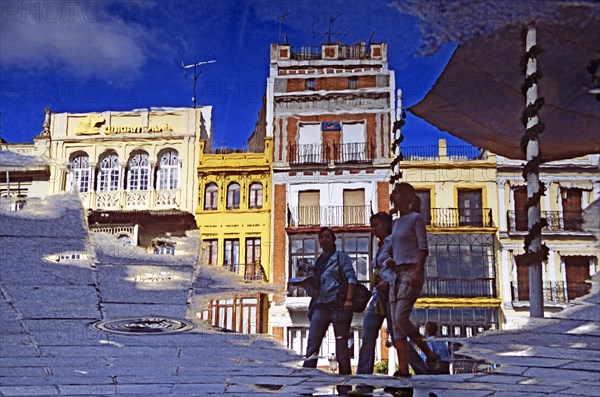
x=233, y=196
x=357, y=247
x=255, y=196
x=138, y=174
x=168, y=171
x=252, y=250
x=353, y=147
x=309, y=84
x=253, y=269
x=211, y=194
x=303, y=250
x=425, y=196
x=108, y=177
x=470, y=212
x=354, y=207
x=353, y=83
x=211, y=251
x=232, y=254
x=125, y=239
x=458, y=321
x=164, y=250
x=81, y=171
x=309, y=149
x=309, y=210
x=460, y=265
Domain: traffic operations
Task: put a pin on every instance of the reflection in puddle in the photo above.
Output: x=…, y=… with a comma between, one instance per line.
x=364, y=390
x=268, y=388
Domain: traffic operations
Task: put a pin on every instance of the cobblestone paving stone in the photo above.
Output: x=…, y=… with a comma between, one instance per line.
x=49, y=349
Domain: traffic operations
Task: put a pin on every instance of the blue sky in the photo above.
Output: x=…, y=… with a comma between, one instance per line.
x=84, y=56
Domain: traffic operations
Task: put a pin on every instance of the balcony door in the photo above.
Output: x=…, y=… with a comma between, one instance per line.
x=309, y=149
x=578, y=271
x=470, y=207
x=425, y=196
x=232, y=254
x=309, y=210
x=353, y=143
x=520, y=197
x=522, y=279
x=354, y=207
x=571, y=204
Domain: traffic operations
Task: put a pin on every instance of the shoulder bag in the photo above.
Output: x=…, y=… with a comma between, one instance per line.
x=361, y=295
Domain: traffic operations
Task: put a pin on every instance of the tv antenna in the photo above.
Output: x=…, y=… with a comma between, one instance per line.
x=281, y=20
x=329, y=32
x=197, y=72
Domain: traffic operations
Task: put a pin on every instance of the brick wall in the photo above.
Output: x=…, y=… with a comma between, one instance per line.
x=279, y=239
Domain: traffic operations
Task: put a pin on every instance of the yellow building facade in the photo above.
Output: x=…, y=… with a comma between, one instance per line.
x=458, y=192
x=234, y=218
x=135, y=171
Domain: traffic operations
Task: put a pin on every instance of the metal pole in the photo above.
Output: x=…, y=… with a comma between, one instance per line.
x=536, y=294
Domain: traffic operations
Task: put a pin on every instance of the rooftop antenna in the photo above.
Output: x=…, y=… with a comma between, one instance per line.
x=281, y=20
x=197, y=72
x=331, y=19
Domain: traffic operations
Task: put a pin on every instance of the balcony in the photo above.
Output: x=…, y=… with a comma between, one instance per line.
x=339, y=153
x=558, y=221
x=132, y=200
x=250, y=271
x=554, y=291
x=439, y=153
x=308, y=154
x=310, y=216
x=460, y=217
x=353, y=152
x=305, y=53
x=459, y=287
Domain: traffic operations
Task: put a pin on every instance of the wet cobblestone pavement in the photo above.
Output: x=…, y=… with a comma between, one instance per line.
x=49, y=347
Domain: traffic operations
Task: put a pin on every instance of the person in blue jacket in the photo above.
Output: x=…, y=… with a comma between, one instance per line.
x=326, y=307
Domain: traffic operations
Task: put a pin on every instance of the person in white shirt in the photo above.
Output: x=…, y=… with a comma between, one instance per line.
x=406, y=256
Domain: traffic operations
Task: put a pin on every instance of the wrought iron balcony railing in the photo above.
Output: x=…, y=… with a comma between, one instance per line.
x=309, y=154
x=459, y=287
x=307, y=216
x=250, y=271
x=353, y=152
x=458, y=217
x=432, y=153
x=554, y=291
x=558, y=221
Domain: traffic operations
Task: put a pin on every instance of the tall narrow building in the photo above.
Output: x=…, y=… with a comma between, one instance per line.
x=329, y=110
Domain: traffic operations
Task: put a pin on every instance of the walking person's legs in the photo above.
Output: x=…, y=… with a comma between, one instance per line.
x=342, y=320
x=318, y=328
x=366, y=357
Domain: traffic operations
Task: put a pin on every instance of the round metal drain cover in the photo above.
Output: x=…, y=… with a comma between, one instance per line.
x=144, y=325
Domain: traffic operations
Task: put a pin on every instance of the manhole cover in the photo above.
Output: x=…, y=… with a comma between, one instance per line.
x=144, y=325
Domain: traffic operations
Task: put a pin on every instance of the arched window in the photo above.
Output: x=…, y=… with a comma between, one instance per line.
x=211, y=195
x=125, y=239
x=233, y=196
x=168, y=171
x=81, y=172
x=255, y=195
x=138, y=174
x=108, y=177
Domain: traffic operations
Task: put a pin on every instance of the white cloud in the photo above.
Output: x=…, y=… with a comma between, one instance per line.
x=83, y=38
